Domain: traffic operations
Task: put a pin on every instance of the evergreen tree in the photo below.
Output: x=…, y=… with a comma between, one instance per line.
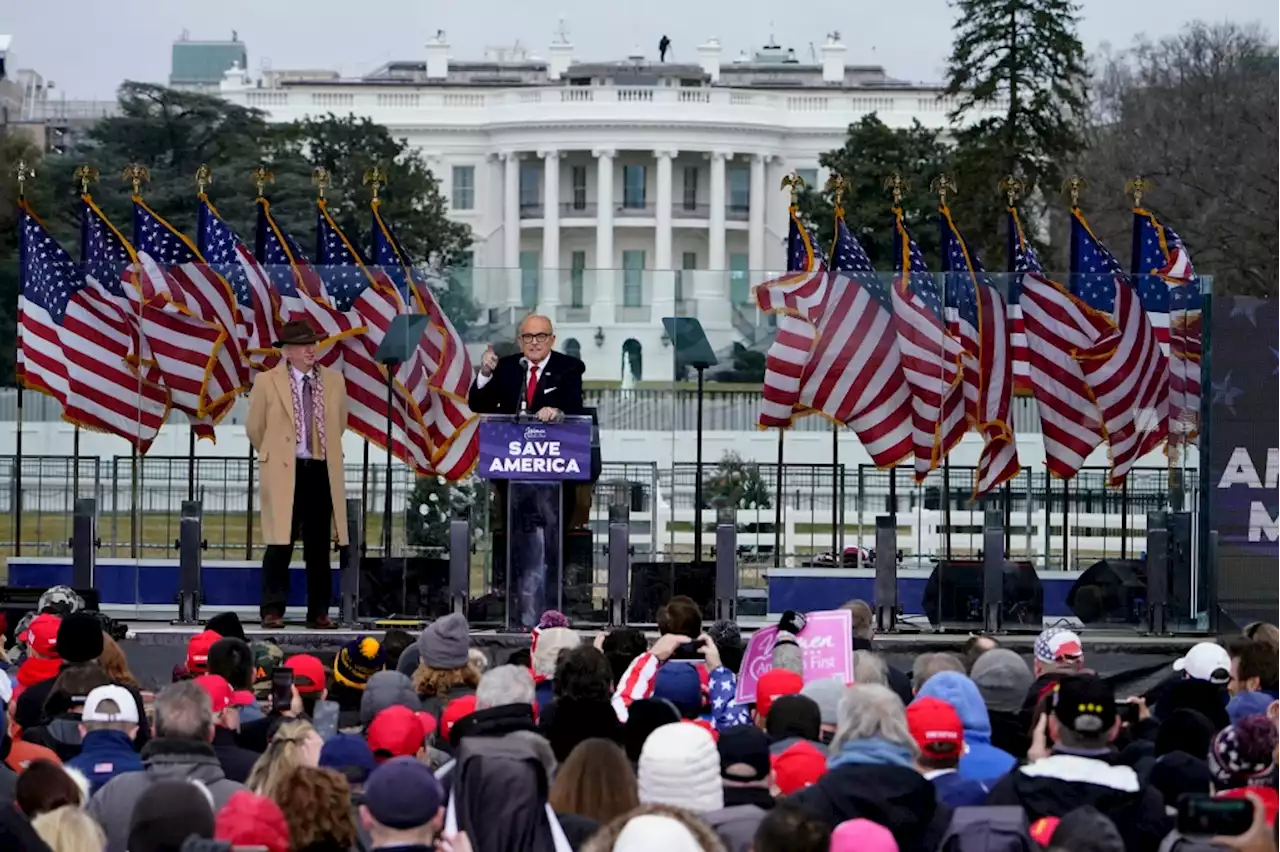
x=736, y=484
x=872, y=151
x=172, y=133
x=1018, y=75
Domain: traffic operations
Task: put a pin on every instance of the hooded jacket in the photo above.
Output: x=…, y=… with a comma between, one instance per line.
x=28, y=711
x=981, y=762
x=898, y=798
x=1060, y=783
x=61, y=735
x=163, y=760
x=104, y=755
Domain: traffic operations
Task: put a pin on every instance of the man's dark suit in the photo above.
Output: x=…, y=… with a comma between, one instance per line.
x=559, y=386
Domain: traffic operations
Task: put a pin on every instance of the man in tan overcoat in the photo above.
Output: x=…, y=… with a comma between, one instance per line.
x=297, y=414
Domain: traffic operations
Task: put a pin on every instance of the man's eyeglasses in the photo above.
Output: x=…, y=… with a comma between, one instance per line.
x=540, y=337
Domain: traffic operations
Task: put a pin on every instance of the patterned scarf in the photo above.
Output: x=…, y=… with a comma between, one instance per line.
x=317, y=406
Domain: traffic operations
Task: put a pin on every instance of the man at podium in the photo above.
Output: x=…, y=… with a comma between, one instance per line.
x=538, y=382
x=545, y=384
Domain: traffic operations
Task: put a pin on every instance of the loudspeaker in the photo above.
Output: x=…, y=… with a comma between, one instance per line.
x=413, y=587
x=654, y=583
x=1112, y=591
x=579, y=579
x=954, y=594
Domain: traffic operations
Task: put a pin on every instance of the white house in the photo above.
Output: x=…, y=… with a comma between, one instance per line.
x=610, y=194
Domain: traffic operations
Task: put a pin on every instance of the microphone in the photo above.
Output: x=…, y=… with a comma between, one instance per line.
x=524, y=399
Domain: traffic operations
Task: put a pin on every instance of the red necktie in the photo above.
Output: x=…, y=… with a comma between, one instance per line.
x=533, y=386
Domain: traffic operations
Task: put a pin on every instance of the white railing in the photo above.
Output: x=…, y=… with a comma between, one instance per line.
x=563, y=102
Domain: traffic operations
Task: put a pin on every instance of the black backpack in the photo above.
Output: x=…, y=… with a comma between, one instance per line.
x=988, y=829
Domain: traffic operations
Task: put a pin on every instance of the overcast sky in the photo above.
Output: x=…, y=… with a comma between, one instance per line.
x=89, y=46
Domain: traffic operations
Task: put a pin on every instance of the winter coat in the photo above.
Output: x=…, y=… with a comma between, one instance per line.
x=235, y=760
x=1060, y=783
x=898, y=798
x=899, y=681
x=736, y=825
x=956, y=791
x=60, y=735
x=608, y=834
x=163, y=760
x=435, y=705
x=104, y=755
x=28, y=711
x=1007, y=733
x=981, y=762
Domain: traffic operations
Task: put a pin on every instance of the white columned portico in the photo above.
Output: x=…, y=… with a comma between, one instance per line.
x=511, y=225
x=715, y=233
x=602, y=305
x=549, y=297
x=755, y=216
x=662, y=237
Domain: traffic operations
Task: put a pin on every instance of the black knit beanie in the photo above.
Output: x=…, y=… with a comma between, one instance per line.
x=80, y=638
x=227, y=624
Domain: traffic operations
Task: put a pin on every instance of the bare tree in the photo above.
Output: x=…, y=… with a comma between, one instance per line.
x=1197, y=114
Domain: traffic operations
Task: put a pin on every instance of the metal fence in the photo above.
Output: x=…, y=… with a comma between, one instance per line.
x=814, y=513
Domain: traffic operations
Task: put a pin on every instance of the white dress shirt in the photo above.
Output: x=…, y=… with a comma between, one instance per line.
x=482, y=379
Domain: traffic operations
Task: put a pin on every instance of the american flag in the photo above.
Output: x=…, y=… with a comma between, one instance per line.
x=354, y=290
x=1172, y=298
x=293, y=279
x=75, y=339
x=1020, y=355
x=441, y=376
x=1057, y=326
x=795, y=300
x=189, y=317
x=1125, y=368
x=260, y=320
x=854, y=374
x=976, y=315
x=931, y=357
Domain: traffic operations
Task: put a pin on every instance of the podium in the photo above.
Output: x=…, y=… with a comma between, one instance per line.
x=531, y=460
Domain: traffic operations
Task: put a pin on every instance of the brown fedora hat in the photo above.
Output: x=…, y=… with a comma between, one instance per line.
x=298, y=333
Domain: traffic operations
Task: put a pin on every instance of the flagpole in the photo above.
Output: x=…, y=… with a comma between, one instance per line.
x=777, y=506
x=835, y=187
x=135, y=174
x=86, y=174
x=1012, y=187
x=23, y=172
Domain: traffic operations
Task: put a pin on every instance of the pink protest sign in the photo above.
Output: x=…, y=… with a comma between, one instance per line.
x=827, y=643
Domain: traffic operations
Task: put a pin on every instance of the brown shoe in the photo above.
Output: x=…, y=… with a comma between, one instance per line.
x=272, y=621
x=323, y=622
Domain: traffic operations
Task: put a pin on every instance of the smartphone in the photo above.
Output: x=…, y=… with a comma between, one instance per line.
x=1204, y=816
x=281, y=688
x=325, y=719
x=688, y=651
x=1127, y=711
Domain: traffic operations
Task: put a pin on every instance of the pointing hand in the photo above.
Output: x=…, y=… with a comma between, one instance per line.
x=488, y=361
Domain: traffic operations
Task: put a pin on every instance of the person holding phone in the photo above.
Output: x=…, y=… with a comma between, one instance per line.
x=236, y=762
x=1083, y=724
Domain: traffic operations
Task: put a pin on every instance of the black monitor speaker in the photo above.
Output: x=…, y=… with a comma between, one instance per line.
x=1110, y=591
x=654, y=583
x=953, y=594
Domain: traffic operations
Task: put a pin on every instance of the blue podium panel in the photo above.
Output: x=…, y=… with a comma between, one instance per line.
x=530, y=459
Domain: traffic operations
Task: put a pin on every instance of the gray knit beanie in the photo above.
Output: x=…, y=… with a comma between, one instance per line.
x=1002, y=679
x=444, y=643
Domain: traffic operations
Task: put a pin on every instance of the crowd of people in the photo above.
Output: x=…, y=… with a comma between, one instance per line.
x=619, y=743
